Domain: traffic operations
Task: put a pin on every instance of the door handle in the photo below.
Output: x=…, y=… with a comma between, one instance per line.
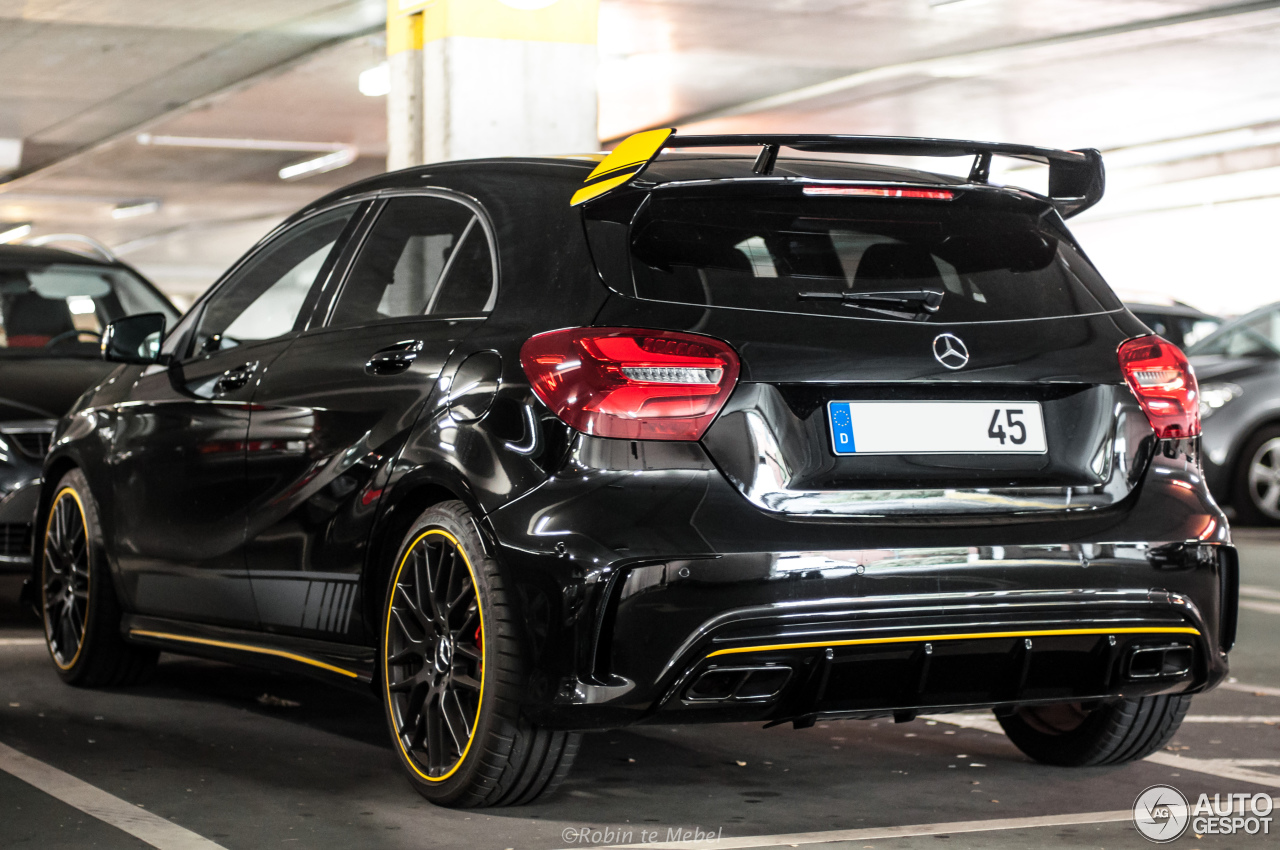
x=234, y=379
x=394, y=359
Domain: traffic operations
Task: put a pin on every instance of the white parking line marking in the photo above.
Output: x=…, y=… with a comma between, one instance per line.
x=21, y=641
x=1265, y=607
x=1222, y=768
x=875, y=833
x=983, y=722
x=95, y=802
x=1259, y=592
x=1259, y=690
x=1252, y=762
x=987, y=723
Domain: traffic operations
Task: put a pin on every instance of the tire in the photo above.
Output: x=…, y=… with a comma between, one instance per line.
x=453, y=706
x=77, y=598
x=1255, y=491
x=1115, y=733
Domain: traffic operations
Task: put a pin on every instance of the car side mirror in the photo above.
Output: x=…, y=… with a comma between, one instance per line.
x=134, y=339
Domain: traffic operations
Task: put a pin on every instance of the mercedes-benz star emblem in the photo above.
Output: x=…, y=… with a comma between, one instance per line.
x=950, y=351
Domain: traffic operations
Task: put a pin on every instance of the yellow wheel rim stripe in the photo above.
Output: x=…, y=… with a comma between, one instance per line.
x=386, y=641
x=88, y=575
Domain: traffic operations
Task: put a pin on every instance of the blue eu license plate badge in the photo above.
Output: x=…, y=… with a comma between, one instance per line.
x=842, y=429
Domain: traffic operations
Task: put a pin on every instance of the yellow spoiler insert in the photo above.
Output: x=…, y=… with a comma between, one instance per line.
x=623, y=163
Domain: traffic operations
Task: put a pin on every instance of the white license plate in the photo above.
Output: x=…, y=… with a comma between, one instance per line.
x=936, y=427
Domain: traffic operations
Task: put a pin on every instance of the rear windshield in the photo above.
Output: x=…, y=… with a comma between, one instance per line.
x=939, y=261
x=63, y=308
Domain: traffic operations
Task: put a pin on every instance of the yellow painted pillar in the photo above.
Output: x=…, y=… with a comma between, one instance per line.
x=506, y=77
x=404, y=100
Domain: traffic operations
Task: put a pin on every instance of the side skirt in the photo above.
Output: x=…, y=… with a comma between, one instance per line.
x=332, y=662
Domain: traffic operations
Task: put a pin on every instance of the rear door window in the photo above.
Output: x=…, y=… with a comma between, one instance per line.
x=973, y=262
x=424, y=256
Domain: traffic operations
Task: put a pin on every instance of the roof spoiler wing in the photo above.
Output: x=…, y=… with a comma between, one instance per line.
x=1076, y=178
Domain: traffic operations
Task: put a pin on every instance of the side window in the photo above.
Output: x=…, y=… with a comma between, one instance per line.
x=264, y=298
x=423, y=256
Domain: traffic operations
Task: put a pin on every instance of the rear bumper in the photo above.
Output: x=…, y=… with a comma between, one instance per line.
x=641, y=574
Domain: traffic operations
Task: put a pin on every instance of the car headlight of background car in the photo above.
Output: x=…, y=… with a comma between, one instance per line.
x=1214, y=396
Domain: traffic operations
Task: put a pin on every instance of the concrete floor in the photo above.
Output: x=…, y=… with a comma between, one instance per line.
x=202, y=749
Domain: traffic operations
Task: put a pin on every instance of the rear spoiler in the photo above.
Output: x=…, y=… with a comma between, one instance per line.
x=1076, y=178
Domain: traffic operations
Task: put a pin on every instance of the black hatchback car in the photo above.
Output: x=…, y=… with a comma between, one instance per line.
x=537, y=446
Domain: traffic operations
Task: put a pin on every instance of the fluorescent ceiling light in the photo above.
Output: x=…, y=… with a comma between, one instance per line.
x=133, y=209
x=1206, y=144
x=13, y=232
x=320, y=164
x=376, y=82
x=239, y=144
x=335, y=154
x=10, y=154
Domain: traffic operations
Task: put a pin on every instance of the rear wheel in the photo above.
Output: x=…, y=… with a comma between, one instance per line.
x=1257, y=479
x=1069, y=735
x=451, y=668
x=78, y=600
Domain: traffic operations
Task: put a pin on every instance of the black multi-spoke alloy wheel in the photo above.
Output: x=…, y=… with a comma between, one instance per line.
x=81, y=614
x=1069, y=735
x=452, y=671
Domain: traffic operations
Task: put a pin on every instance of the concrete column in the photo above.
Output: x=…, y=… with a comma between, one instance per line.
x=507, y=77
x=404, y=101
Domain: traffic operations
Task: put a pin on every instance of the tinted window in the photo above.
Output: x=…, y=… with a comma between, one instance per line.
x=64, y=307
x=265, y=298
x=819, y=254
x=423, y=256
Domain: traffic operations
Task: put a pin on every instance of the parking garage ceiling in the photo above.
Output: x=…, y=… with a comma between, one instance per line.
x=1180, y=94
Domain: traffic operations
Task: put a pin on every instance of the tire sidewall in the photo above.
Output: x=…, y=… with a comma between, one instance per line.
x=468, y=781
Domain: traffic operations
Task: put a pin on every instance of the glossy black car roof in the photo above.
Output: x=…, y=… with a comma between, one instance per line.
x=567, y=173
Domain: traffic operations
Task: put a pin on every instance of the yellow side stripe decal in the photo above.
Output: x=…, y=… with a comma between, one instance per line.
x=244, y=647
x=1157, y=630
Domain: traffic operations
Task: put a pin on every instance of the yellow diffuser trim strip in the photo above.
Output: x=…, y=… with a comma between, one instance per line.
x=1157, y=630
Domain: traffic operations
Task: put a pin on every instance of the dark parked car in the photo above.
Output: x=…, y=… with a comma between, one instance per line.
x=1239, y=371
x=536, y=446
x=53, y=306
x=1181, y=324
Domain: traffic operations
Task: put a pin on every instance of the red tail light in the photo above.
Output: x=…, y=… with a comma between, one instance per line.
x=1162, y=379
x=628, y=383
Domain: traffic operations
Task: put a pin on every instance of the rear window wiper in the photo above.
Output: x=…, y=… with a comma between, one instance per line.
x=919, y=302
